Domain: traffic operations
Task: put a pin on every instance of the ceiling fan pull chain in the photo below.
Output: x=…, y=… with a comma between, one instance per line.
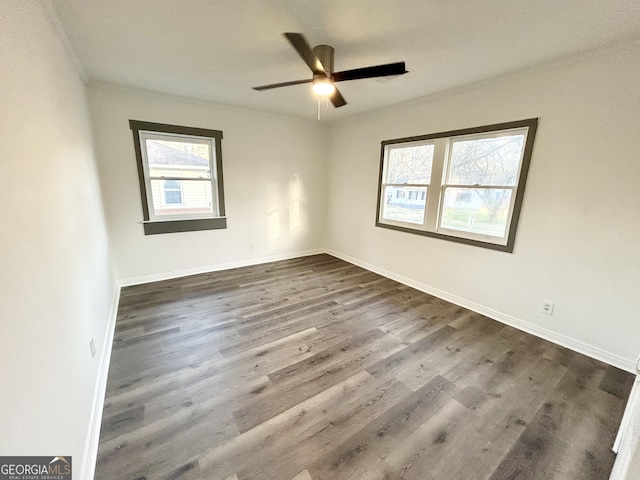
x=318, y=108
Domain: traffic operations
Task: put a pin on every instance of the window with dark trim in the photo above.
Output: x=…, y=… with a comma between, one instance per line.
x=180, y=175
x=465, y=185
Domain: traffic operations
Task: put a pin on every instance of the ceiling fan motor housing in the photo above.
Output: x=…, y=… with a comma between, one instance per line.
x=325, y=54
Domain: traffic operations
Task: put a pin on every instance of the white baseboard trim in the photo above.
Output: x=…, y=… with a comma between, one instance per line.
x=215, y=268
x=562, y=340
x=88, y=467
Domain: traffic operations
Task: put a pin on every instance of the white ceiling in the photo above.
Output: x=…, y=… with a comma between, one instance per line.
x=216, y=50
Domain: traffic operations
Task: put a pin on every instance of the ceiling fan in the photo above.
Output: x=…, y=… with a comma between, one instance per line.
x=320, y=60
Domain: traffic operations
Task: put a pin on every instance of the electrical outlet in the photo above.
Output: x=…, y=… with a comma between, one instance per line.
x=92, y=346
x=251, y=247
x=547, y=308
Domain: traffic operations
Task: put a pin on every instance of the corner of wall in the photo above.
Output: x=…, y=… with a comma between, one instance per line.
x=93, y=434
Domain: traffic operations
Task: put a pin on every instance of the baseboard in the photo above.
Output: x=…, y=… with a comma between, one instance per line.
x=93, y=436
x=562, y=340
x=215, y=268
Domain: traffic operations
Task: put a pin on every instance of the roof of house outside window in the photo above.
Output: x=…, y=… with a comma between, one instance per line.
x=159, y=154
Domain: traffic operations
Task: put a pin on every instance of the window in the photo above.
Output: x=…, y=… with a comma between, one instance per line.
x=466, y=185
x=180, y=174
x=172, y=192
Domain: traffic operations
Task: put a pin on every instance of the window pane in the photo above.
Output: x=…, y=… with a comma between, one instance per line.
x=172, y=192
x=193, y=198
x=178, y=158
x=478, y=210
x=171, y=185
x=404, y=204
x=410, y=164
x=173, y=197
x=486, y=161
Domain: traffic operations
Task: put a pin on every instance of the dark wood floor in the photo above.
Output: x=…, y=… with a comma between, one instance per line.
x=314, y=368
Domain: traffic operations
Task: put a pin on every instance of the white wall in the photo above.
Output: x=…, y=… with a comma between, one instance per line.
x=274, y=181
x=56, y=280
x=579, y=232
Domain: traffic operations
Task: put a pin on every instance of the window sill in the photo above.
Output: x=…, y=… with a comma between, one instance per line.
x=508, y=247
x=174, y=226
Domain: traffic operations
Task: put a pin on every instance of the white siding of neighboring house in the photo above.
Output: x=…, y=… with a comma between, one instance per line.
x=195, y=195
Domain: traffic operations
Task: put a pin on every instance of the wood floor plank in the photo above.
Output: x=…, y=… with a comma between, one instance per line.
x=393, y=364
x=314, y=420
x=374, y=439
x=323, y=428
x=304, y=475
x=296, y=383
x=431, y=449
x=616, y=382
x=313, y=368
x=563, y=435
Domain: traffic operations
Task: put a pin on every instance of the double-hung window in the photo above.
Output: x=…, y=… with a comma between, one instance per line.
x=180, y=174
x=407, y=182
x=466, y=185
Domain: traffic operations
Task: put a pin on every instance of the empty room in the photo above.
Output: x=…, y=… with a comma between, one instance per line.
x=320, y=240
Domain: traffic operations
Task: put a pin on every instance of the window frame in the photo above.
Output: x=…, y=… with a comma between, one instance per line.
x=188, y=222
x=149, y=179
x=439, y=183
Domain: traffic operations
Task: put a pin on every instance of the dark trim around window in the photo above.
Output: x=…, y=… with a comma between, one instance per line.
x=186, y=225
x=531, y=123
x=174, y=226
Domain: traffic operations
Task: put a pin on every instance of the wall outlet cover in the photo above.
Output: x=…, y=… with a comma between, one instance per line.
x=547, y=308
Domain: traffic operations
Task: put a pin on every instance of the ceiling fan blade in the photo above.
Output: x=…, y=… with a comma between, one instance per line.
x=337, y=99
x=301, y=45
x=283, y=84
x=370, y=72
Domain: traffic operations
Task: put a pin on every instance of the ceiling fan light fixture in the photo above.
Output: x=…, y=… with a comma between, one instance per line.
x=323, y=86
